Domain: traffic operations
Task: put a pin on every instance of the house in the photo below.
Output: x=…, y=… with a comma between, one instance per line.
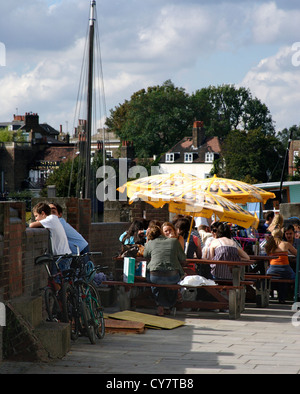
x=28, y=163
x=293, y=153
x=192, y=155
x=103, y=139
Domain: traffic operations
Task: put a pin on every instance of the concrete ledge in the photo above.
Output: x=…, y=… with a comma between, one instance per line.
x=55, y=337
x=30, y=308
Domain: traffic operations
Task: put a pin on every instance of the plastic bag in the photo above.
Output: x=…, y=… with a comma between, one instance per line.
x=196, y=280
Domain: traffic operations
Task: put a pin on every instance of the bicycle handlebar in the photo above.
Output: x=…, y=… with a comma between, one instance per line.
x=66, y=255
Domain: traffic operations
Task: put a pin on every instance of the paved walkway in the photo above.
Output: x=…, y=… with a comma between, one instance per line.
x=261, y=341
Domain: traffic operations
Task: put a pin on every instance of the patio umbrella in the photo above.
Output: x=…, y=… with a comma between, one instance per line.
x=196, y=203
x=236, y=191
x=157, y=182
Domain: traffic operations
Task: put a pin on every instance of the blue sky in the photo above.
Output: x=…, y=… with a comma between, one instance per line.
x=195, y=43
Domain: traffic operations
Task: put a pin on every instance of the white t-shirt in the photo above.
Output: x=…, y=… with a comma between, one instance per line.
x=59, y=240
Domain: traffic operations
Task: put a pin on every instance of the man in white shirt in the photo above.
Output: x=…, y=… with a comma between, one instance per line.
x=58, y=237
x=75, y=239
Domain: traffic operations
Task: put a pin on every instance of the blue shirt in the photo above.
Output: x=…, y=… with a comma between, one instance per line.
x=128, y=241
x=74, y=238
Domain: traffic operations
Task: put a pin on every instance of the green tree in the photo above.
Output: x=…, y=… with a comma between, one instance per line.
x=284, y=134
x=154, y=119
x=70, y=176
x=61, y=179
x=225, y=108
x=258, y=158
x=7, y=135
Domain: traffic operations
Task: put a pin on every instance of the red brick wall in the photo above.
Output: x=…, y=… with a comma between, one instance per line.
x=105, y=239
x=13, y=248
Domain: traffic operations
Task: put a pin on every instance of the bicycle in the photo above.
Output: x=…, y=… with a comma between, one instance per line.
x=56, y=285
x=70, y=296
x=89, y=304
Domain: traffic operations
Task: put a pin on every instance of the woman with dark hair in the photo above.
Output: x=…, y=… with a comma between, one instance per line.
x=134, y=235
x=225, y=248
x=183, y=226
x=166, y=256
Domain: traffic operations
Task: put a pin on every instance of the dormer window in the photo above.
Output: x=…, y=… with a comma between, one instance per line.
x=209, y=157
x=188, y=157
x=169, y=157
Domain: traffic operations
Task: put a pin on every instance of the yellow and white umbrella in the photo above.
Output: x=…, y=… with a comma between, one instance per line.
x=197, y=203
x=157, y=182
x=233, y=190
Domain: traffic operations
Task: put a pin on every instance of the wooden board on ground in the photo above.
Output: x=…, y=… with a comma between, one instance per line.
x=149, y=321
x=123, y=326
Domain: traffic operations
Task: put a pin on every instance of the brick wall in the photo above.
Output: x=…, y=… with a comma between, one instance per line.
x=12, y=230
x=105, y=239
x=19, y=246
x=35, y=277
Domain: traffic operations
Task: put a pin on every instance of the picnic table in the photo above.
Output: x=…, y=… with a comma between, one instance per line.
x=223, y=296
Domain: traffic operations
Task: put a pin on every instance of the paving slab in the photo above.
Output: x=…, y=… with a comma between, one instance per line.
x=262, y=341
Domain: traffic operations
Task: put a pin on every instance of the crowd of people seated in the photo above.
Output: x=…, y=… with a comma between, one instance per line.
x=167, y=246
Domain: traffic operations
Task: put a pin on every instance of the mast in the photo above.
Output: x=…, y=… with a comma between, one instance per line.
x=284, y=165
x=87, y=193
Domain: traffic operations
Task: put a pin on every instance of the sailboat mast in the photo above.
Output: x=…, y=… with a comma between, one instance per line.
x=87, y=193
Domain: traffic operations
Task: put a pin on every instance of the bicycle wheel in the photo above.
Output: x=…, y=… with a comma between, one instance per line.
x=52, y=305
x=70, y=312
x=97, y=312
x=88, y=322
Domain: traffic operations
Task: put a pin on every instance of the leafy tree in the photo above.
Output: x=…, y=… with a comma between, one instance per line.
x=75, y=171
x=61, y=179
x=154, y=119
x=258, y=158
x=7, y=135
x=225, y=108
x=284, y=134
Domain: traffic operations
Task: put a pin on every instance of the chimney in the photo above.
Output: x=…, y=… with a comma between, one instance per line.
x=127, y=150
x=31, y=121
x=198, y=134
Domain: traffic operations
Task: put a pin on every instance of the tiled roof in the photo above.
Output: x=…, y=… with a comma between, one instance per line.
x=210, y=144
x=57, y=153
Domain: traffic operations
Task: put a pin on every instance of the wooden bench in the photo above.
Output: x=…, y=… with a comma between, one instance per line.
x=282, y=285
x=262, y=285
x=231, y=300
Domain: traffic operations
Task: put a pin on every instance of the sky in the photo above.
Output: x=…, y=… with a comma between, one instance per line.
x=194, y=43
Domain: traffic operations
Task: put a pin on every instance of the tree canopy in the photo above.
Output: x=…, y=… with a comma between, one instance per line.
x=225, y=108
x=154, y=119
x=157, y=118
x=252, y=156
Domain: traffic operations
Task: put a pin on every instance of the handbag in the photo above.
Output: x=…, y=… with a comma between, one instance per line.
x=135, y=250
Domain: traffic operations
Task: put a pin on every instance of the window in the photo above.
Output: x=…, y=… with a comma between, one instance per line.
x=109, y=153
x=169, y=157
x=188, y=158
x=209, y=157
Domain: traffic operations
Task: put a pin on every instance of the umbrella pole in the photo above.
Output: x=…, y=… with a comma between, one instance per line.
x=189, y=236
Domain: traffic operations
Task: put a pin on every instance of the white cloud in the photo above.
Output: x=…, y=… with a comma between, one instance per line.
x=144, y=43
x=273, y=24
x=276, y=82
